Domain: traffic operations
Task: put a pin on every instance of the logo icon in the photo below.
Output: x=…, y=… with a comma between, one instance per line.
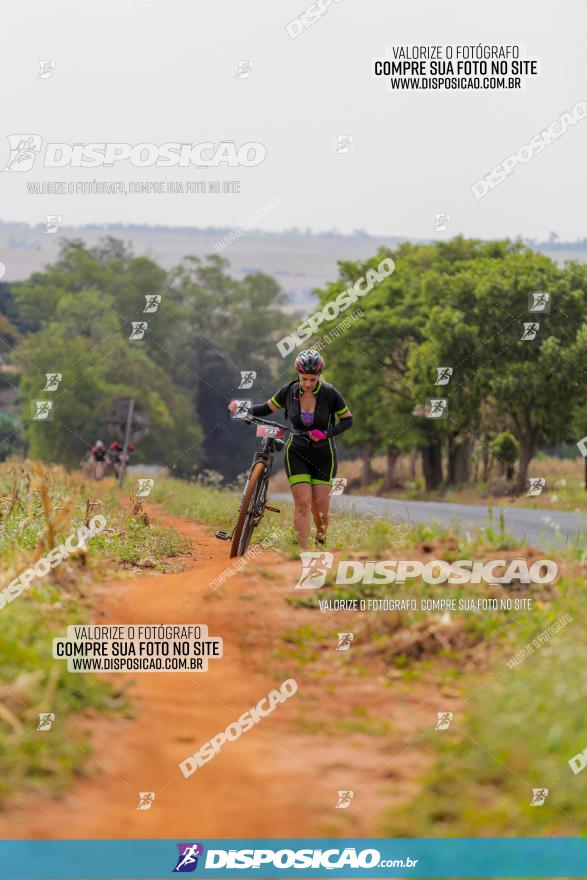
x=437, y=408
x=444, y=719
x=138, y=329
x=343, y=145
x=241, y=411
x=146, y=799
x=344, y=641
x=144, y=488
x=539, y=795
x=530, y=331
x=247, y=378
x=46, y=720
x=344, y=799
x=537, y=484
x=53, y=224
x=152, y=302
x=443, y=375
x=46, y=69
x=53, y=380
x=244, y=69
x=42, y=410
x=539, y=302
x=315, y=567
x=441, y=222
x=338, y=485
x=23, y=151
x=187, y=860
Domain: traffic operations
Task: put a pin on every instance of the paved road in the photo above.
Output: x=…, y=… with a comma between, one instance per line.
x=541, y=528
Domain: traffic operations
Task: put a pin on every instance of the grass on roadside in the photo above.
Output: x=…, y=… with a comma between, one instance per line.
x=347, y=531
x=39, y=507
x=518, y=733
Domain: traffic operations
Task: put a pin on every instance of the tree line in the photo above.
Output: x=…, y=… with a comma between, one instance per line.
x=464, y=304
x=461, y=304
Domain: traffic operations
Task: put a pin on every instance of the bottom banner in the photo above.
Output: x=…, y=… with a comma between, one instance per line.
x=291, y=857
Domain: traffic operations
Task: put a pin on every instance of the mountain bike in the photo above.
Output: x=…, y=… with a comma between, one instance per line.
x=254, y=498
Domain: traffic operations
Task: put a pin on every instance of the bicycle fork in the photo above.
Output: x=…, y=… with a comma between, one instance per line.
x=226, y=536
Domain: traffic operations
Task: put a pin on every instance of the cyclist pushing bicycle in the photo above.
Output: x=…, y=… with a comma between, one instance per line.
x=311, y=405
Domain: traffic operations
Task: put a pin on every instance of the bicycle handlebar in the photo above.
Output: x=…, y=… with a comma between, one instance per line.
x=250, y=419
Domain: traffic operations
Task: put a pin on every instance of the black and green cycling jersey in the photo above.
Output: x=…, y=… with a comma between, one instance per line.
x=315, y=463
x=329, y=404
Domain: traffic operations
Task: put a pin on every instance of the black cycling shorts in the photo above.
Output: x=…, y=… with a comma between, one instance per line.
x=311, y=464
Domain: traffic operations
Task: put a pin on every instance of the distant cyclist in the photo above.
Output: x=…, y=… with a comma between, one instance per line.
x=97, y=460
x=115, y=453
x=311, y=405
x=99, y=451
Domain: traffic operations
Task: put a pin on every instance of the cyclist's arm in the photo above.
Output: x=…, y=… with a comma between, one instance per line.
x=274, y=403
x=259, y=409
x=263, y=409
x=344, y=414
x=346, y=422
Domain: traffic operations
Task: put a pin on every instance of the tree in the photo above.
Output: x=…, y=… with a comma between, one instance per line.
x=532, y=380
x=82, y=302
x=10, y=436
x=9, y=336
x=229, y=327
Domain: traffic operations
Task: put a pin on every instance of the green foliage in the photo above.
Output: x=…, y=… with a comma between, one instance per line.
x=517, y=732
x=10, y=436
x=78, y=314
x=9, y=335
x=462, y=304
x=505, y=448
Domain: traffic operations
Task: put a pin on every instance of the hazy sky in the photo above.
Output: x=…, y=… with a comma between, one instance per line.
x=153, y=71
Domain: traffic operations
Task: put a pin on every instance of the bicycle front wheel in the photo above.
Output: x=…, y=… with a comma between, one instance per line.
x=243, y=530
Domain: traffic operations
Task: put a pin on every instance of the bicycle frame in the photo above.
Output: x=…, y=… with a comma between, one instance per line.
x=268, y=447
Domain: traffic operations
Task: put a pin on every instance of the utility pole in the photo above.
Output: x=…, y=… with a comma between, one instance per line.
x=131, y=409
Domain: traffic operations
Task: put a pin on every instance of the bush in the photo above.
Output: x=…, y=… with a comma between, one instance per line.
x=505, y=448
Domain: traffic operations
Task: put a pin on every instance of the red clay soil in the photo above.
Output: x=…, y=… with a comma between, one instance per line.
x=279, y=779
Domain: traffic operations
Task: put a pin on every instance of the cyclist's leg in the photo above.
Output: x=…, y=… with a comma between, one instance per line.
x=323, y=473
x=297, y=469
x=320, y=508
x=302, y=496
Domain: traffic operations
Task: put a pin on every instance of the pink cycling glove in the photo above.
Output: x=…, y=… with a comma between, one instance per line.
x=317, y=435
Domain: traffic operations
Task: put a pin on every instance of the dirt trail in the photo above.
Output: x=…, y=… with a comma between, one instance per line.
x=280, y=778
